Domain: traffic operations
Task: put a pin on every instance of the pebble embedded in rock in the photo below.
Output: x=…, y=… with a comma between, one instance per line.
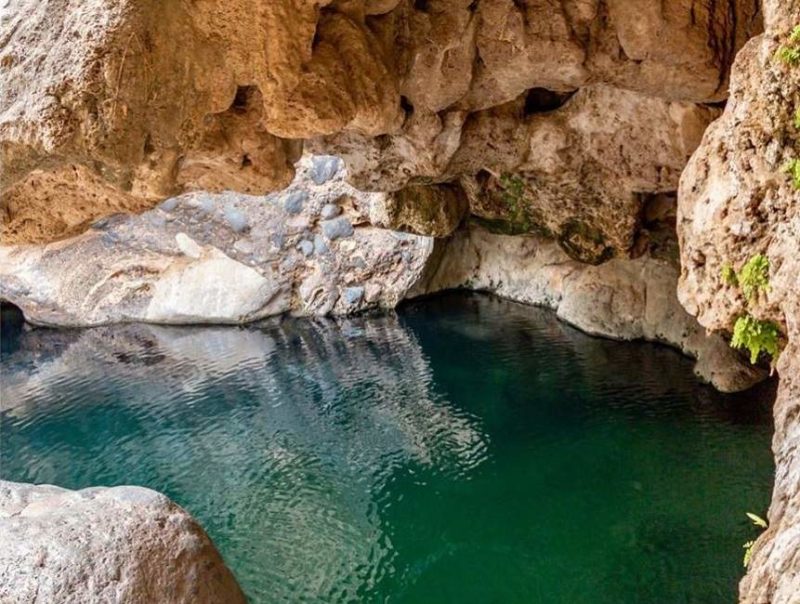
x=206, y=204
x=329, y=210
x=337, y=228
x=293, y=203
x=353, y=295
x=235, y=219
x=243, y=246
x=320, y=247
x=324, y=168
x=169, y=205
x=306, y=247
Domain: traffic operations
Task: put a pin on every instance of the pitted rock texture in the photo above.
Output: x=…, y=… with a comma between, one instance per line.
x=150, y=99
x=577, y=168
x=736, y=201
x=228, y=258
x=623, y=299
x=122, y=544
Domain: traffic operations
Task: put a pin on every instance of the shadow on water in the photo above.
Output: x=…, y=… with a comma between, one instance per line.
x=466, y=449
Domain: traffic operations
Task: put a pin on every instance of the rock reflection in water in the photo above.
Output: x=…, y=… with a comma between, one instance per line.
x=329, y=410
x=466, y=449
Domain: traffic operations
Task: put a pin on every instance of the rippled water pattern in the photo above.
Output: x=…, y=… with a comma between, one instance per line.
x=465, y=450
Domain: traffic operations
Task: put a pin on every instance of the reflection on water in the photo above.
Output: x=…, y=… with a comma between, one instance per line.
x=468, y=449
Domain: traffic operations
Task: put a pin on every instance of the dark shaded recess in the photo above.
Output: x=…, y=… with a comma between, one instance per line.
x=244, y=98
x=246, y=161
x=542, y=100
x=12, y=321
x=406, y=105
x=422, y=6
x=717, y=105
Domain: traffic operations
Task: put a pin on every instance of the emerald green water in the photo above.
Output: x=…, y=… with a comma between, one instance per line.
x=465, y=450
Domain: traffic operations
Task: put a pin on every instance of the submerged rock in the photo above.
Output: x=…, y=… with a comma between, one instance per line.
x=206, y=261
x=120, y=544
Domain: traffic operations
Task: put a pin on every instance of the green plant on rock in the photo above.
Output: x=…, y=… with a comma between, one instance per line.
x=789, y=53
x=792, y=168
x=513, y=198
x=729, y=276
x=754, y=276
x=797, y=118
x=756, y=336
x=748, y=547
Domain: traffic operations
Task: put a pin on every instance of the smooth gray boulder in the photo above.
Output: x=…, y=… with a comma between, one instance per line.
x=122, y=544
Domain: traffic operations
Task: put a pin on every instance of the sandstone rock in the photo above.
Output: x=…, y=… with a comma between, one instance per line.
x=435, y=211
x=121, y=544
x=622, y=299
x=146, y=99
x=575, y=167
x=735, y=202
x=219, y=259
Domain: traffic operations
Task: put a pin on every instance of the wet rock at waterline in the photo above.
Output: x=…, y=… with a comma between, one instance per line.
x=122, y=544
x=622, y=299
x=740, y=198
x=226, y=258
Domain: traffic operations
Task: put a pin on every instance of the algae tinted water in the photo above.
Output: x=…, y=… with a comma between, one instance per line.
x=465, y=450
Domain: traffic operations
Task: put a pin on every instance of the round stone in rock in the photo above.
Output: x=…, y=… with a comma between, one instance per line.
x=323, y=168
x=339, y=227
x=330, y=210
x=320, y=247
x=306, y=247
x=235, y=219
x=169, y=204
x=353, y=295
x=293, y=202
x=243, y=246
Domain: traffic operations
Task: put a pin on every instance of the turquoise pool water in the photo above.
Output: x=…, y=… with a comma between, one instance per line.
x=466, y=449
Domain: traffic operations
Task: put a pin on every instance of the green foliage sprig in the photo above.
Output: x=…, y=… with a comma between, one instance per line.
x=754, y=276
x=793, y=169
x=756, y=336
x=789, y=53
x=729, y=276
x=748, y=547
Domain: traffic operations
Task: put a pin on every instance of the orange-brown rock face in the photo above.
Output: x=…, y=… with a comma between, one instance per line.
x=125, y=102
x=737, y=201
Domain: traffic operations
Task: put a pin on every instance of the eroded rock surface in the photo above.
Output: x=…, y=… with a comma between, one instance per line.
x=121, y=544
x=736, y=201
x=227, y=258
x=151, y=99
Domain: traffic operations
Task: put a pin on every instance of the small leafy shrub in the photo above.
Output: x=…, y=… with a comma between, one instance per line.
x=748, y=547
x=789, y=53
x=797, y=118
x=754, y=276
x=729, y=276
x=755, y=336
x=793, y=169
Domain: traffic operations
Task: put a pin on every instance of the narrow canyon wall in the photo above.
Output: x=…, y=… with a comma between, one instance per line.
x=737, y=200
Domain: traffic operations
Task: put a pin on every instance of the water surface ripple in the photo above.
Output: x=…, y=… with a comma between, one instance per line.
x=465, y=450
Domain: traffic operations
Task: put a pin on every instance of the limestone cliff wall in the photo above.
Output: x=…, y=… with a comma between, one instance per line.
x=737, y=200
x=111, y=106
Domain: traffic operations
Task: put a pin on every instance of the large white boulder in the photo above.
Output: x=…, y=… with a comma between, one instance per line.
x=105, y=545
